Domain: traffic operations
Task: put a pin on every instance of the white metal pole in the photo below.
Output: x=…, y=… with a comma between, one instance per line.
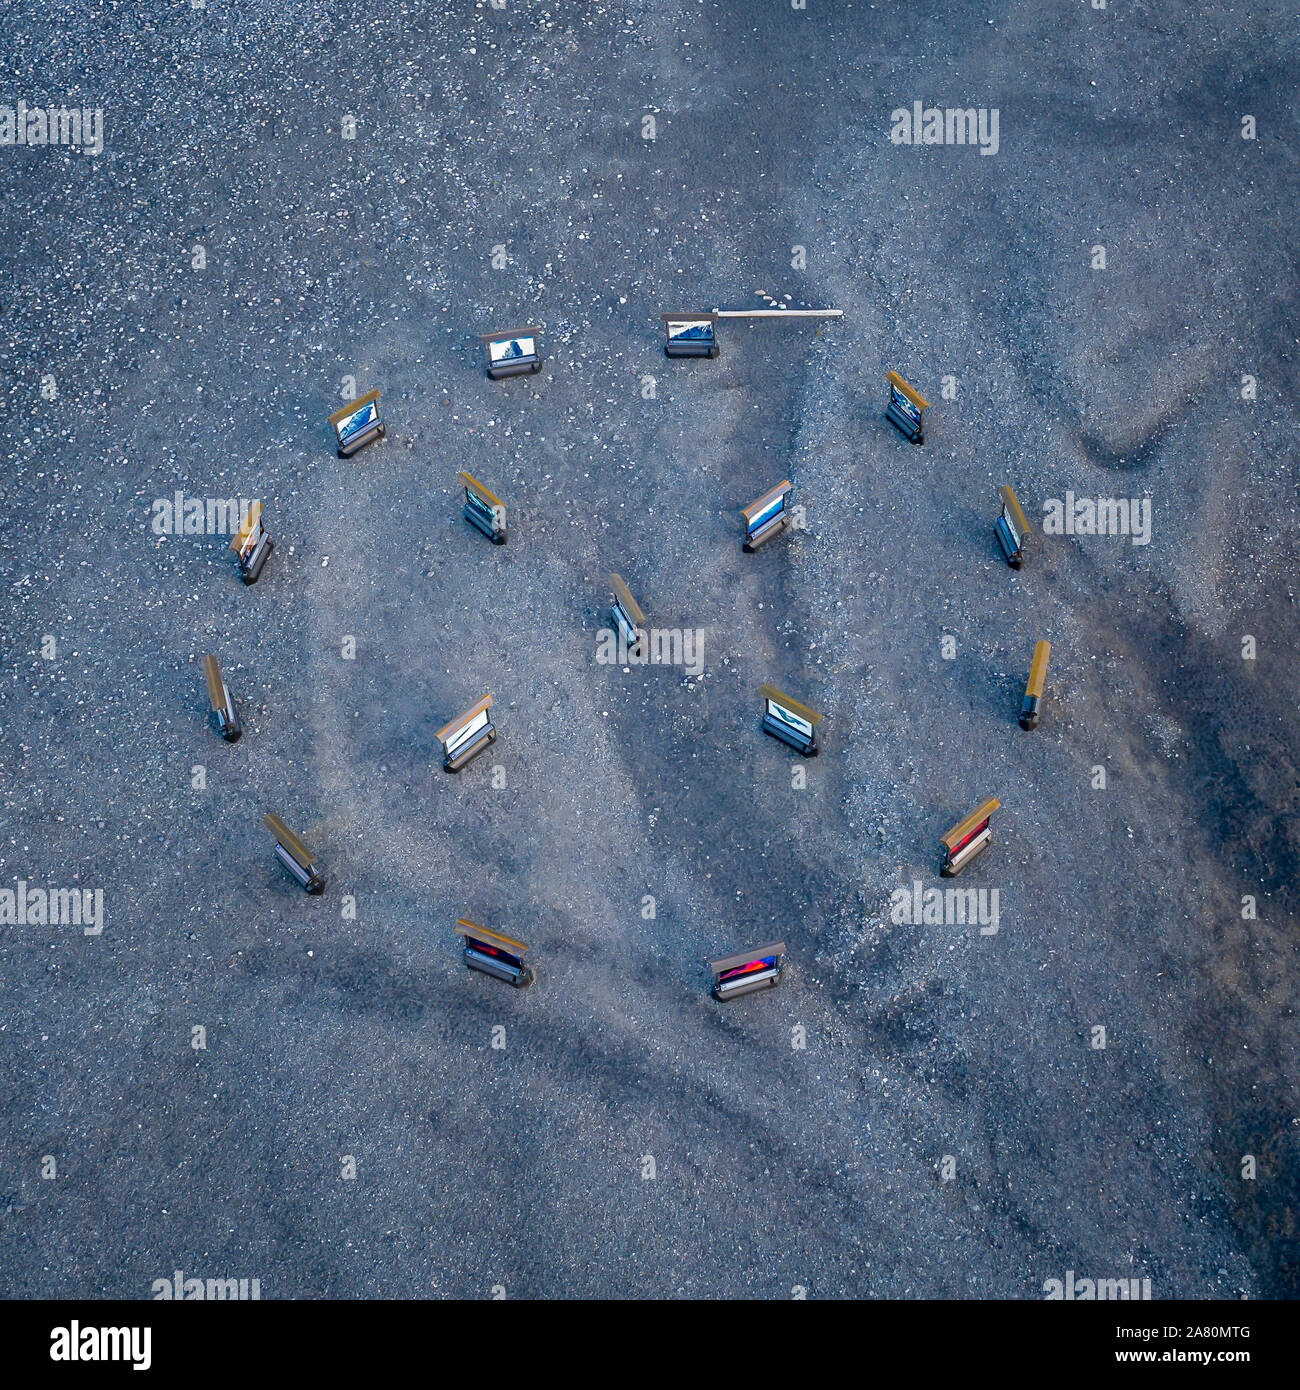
x=779, y=313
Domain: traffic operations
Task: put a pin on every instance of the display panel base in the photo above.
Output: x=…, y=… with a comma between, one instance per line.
x=515, y=367
x=749, y=984
x=955, y=863
x=896, y=417
x=368, y=436
x=518, y=976
x=767, y=532
x=806, y=746
x=309, y=880
x=691, y=349
x=462, y=756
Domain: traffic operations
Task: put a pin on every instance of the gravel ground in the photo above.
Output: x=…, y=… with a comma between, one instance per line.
x=776, y=1168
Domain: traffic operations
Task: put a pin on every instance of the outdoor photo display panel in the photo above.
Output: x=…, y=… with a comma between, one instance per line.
x=742, y=972
x=627, y=611
x=512, y=349
x=247, y=536
x=790, y=721
x=356, y=423
x=765, y=509
x=906, y=408
x=1013, y=514
x=689, y=330
x=361, y=419
x=484, y=509
x=773, y=509
x=902, y=403
x=968, y=836
x=494, y=953
x=788, y=716
x=467, y=736
x=690, y=334
x=749, y=968
x=488, y=944
x=466, y=732
x=1030, y=706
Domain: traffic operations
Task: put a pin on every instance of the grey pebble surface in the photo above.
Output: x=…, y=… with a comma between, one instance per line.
x=371, y=258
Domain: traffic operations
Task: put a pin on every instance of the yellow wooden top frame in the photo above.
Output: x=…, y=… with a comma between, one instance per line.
x=769, y=948
x=628, y=604
x=964, y=827
x=692, y=316
x=444, y=735
x=479, y=490
x=289, y=840
x=352, y=407
x=216, y=689
x=240, y=540
x=1012, y=504
x=533, y=333
x=756, y=508
x=1038, y=670
x=770, y=692
x=911, y=393
x=467, y=928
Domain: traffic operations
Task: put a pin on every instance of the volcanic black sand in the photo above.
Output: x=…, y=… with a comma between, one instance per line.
x=330, y=1037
